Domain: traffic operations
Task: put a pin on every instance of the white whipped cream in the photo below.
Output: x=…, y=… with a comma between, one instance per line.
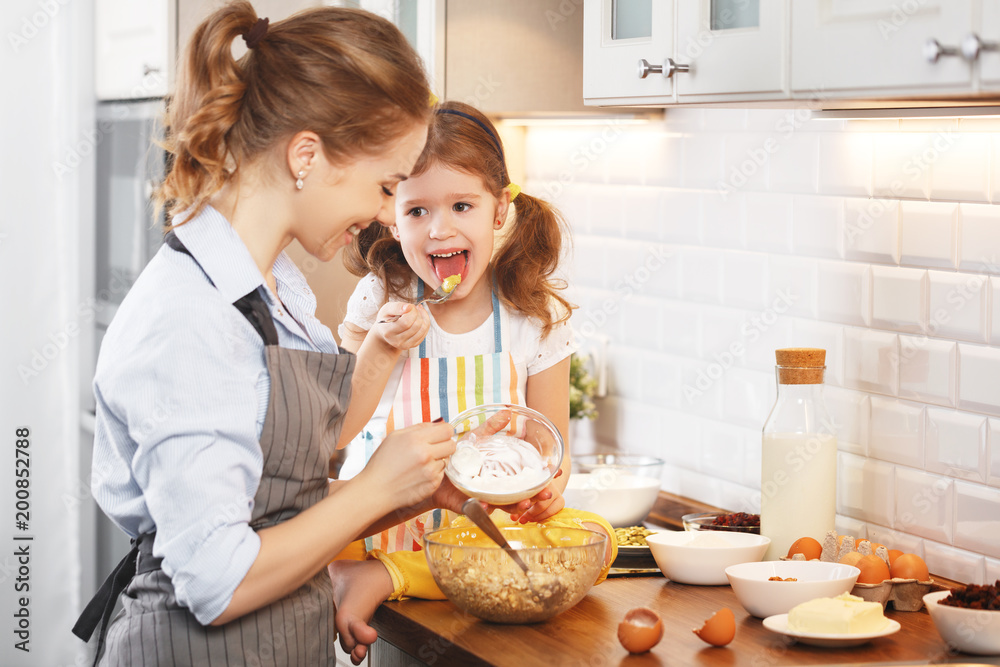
x=487, y=467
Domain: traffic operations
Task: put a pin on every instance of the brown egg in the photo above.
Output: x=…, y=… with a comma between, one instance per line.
x=851, y=558
x=720, y=629
x=640, y=630
x=873, y=570
x=910, y=566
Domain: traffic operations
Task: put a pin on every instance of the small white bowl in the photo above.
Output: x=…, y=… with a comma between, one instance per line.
x=974, y=631
x=701, y=557
x=815, y=579
x=622, y=499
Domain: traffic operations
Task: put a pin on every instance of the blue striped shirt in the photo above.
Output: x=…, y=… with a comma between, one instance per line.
x=182, y=391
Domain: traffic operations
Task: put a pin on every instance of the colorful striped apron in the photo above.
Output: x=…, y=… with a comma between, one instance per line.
x=432, y=387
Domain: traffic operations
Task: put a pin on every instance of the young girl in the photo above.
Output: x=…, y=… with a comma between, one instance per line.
x=501, y=337
x=225, y=492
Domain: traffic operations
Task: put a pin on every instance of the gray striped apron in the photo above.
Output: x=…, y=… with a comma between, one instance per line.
x=309, y=395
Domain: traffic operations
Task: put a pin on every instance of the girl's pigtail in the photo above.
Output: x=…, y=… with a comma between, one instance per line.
x=205, y=107
x=528, y=259
x=375, y=251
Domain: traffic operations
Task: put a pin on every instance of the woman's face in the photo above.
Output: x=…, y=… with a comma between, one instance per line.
x=445, y=223
x=339, y=200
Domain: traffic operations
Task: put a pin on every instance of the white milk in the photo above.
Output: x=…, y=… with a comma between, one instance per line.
x=798, y=489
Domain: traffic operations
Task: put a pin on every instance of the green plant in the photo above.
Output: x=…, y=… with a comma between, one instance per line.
x=582, y=386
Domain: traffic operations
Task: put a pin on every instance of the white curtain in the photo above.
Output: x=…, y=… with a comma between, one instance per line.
x=46, y=217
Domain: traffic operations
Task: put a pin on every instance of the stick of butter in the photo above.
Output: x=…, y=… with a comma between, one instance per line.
x=844, y=614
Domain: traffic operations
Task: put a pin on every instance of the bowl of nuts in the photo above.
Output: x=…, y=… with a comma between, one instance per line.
x=481, y=579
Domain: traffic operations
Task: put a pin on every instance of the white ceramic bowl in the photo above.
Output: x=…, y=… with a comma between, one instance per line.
x=622, y=499
x=969, y=630
x=701, y=557
x=763, y=598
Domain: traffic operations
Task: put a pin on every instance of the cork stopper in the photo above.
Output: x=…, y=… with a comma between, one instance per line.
x=800, y=365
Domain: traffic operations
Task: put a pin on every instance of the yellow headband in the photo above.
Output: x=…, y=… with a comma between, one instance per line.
x=515, y=190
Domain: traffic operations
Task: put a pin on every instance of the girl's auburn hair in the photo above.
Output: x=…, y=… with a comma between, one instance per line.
x=527, y=260
x=347, y=75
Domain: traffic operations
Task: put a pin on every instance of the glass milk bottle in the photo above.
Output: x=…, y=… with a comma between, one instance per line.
x=799, y=455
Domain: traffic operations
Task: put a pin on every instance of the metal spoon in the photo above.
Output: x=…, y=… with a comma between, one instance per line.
x=437, y=296
x=472, y=509
x=539, y=582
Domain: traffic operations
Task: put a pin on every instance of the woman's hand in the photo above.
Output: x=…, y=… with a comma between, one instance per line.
x=409, y=464
x=405, y=332
x=448, y=497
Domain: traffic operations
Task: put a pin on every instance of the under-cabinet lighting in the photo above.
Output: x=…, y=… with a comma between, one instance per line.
x=641, y=118
x=927, y=112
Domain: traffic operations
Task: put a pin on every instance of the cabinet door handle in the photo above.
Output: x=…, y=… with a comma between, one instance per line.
x=667, y=69
x=934, y=51
x=972, y=46
x=147, y=70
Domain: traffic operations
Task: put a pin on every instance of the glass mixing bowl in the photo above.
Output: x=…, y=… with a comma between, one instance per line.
x=481, y=579
x=523, y=423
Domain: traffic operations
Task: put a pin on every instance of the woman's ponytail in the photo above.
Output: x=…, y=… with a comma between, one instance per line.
x=346, y=74
x=205, y=107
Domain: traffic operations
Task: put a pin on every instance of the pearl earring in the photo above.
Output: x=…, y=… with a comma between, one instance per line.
x=298, y=182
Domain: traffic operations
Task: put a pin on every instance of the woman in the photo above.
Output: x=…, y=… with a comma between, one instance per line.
x=220, y=396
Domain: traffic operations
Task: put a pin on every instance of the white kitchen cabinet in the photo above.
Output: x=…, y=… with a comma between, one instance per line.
x=133, y=48
x=510, y=58
x=866, y=48
x=618, y=35
x=736, y=49
x=988, y=59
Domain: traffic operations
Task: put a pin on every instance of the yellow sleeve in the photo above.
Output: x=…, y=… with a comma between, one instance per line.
x=572, y=518
x=565, y=518
x=411, y=576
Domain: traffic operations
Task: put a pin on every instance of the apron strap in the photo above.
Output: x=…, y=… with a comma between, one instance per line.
x=251, y=305
x=498, y=330
x=98, y=610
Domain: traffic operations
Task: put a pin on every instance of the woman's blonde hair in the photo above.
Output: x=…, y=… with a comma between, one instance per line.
x=345, y=74
x=463, y=138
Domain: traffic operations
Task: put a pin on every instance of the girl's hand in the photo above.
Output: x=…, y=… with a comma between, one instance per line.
x=409, y=464
x=543, y=505
x=407, y=331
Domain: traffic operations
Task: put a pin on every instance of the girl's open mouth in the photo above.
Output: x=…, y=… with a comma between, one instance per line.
x=450, y=263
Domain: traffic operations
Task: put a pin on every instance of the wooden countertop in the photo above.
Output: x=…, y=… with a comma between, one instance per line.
x=438, y=633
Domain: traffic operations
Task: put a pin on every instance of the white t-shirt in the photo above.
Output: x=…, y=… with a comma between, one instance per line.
x=526, y=346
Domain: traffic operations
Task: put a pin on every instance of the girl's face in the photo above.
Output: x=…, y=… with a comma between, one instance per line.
x=445, y=223
x=338, y=201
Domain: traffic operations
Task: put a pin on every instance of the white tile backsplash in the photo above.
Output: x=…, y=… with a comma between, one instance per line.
x=960, y=166
x=897, y=432
x=870, y=232
x=958, y=306
x=865, y=489
x=844, y=292
x=925, y=504
x=899, y=299
x=845, y=163
x=955, y=444
x=817, y=226
x=927, y=369
x=928, y=234
x=979, y=369
x=977, y=518
x=877, y=240
x=979, y=248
